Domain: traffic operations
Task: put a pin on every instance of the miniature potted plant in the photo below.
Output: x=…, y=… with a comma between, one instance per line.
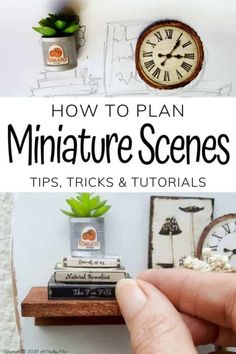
x=87, y=224
x=58, y=41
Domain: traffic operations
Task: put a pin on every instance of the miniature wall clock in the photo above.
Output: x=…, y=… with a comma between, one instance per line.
x=220, y=237
x=169, y=55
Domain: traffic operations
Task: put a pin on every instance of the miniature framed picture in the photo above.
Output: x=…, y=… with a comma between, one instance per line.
x=176, y=224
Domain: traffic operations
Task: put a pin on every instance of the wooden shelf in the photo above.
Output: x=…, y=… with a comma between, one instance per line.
x=69, y=312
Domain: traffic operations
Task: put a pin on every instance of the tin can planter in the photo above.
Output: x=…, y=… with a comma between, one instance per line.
x=87, y=237
x=59, y=53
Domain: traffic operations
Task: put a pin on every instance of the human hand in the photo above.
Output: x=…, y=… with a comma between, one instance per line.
x=172, y=310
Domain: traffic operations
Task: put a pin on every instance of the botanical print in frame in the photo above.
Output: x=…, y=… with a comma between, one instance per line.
x=176, y=224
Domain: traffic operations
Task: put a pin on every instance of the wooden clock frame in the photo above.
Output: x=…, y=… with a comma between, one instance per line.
x=208, y=228
x=187, y=29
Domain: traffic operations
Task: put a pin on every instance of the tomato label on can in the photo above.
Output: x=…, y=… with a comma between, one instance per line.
x=89, y=239
x=56, y=56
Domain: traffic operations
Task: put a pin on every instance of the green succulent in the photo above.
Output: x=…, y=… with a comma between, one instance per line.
x=86, y=205
x=58, y=25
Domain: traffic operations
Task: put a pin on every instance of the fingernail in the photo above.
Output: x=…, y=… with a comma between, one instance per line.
x=130, y=297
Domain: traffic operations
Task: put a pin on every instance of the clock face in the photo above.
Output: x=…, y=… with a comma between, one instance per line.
x=169, y=55
x=220, y=237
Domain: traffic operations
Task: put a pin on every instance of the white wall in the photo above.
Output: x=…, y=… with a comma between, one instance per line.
x=40, y=234
x=21, y=57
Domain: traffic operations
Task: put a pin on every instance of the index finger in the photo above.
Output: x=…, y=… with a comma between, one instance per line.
x=210, y=296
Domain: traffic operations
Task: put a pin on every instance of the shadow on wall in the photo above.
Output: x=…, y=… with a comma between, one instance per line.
x=67, y=7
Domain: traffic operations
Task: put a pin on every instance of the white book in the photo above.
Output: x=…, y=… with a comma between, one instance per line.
x=88, y=275
x=87, y=262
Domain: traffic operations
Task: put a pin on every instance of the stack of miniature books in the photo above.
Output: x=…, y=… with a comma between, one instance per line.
x=86, y=278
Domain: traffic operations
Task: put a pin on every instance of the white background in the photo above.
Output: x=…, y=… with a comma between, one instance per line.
x=200, y=119
x=21, y=56
x=35, y=214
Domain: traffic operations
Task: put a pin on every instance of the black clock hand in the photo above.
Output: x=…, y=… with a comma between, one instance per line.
x=233, y=250
x=177, y=44
x=178, y=56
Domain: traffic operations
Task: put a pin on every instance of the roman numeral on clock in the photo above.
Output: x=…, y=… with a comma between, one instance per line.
x=189, y=55
x=187, y=67
x=169, y=33
x=149, y=65
x=156, y=73
x=179, y=75
x=186, y=44
x=213, y=248
x=151, y=43
x=147, y=54
x=226, y=227
x=166, y=76
x=159, y=36
x=217, y=236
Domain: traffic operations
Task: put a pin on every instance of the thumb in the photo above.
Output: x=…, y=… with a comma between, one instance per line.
x=154, y=324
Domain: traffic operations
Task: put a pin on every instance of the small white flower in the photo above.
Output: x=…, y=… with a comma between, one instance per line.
x=227, y=267
x=196, y=266
x=211, y=262
x=212, y=259
x=188, y=261
x=218, y=257
x=225, y=259
x=206, y=253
